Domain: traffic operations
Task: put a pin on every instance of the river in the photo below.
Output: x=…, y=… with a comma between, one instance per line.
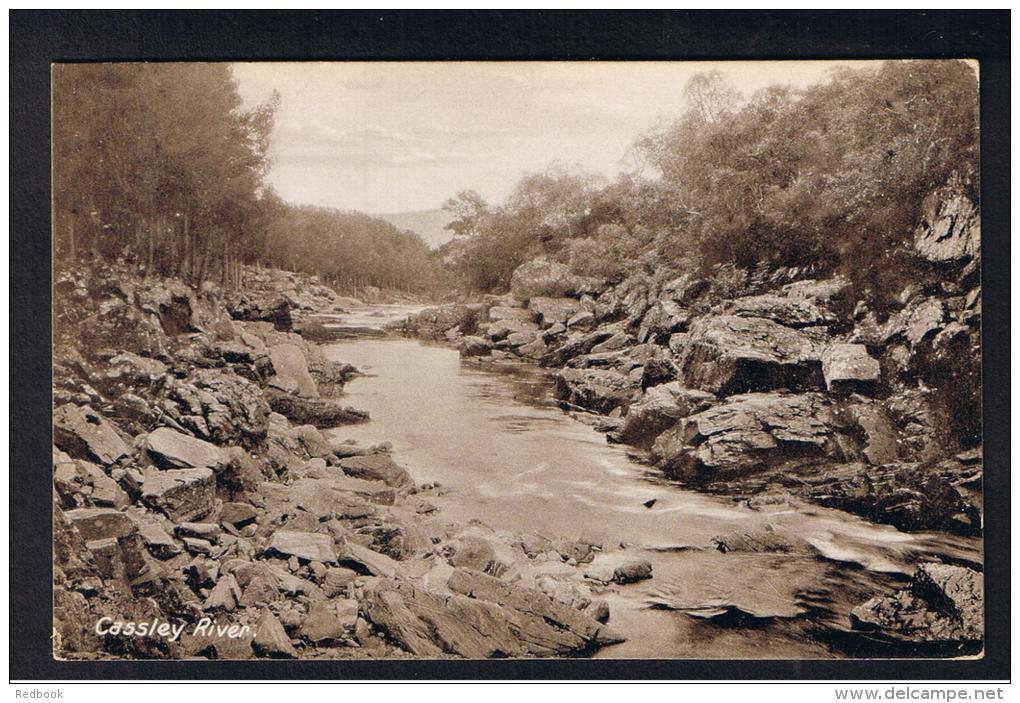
x=494, y=437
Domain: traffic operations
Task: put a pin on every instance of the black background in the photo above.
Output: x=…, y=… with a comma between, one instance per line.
x=39, y=38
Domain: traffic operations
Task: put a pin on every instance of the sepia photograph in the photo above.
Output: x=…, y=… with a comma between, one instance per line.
x=553, y=359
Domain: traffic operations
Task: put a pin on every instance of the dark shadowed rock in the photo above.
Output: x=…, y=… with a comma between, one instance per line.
x=265, y=306
x=316, y=412
x=82, y=432
x=908, y=496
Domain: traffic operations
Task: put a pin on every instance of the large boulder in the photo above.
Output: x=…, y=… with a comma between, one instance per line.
x=726, y=354
x=433, y=323
x=944, y=604
x=378, y=467
x=218, y=406
x=82, y=432
x=600, y=390
x=291, y=371
x=543, y=278
x=746, y=434
x=170, y=449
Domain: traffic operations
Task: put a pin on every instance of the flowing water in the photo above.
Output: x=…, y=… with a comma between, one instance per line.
x=493, y=435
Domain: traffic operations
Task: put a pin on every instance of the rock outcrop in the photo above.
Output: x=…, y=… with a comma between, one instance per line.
x=943, y=605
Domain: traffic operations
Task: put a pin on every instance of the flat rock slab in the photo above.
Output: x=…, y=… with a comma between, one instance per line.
x=170, y=449
x=82, y=432
x=310, y=546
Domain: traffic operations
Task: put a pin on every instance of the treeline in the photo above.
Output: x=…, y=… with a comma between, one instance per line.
x=161, y=165
x=350, y=250
x=831, y=177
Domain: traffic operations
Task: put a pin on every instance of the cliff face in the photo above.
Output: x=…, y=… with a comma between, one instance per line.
x=778, y=381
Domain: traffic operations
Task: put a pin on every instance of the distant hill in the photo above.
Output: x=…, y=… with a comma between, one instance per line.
x=428, y=224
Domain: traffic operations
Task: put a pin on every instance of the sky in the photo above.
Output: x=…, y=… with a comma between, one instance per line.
x=387, y=137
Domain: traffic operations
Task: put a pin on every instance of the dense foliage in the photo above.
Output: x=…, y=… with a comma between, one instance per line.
x=350, y=250
x=832, y=176
x=157, y=162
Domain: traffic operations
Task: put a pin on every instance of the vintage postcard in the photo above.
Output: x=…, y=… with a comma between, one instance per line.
x=472, y=360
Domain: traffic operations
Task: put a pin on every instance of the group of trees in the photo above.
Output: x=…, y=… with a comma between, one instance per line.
x=350, y=250
x=161, y=165
x=833, y=176
x=157, y=163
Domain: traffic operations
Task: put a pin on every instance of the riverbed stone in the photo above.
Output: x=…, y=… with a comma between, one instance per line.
x=291, y=366
x=378, y=467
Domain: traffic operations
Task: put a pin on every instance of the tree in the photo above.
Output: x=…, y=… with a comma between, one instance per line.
x=468, y=209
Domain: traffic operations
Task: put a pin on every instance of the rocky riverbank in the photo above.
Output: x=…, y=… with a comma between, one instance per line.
x=194, y=488
x=777, y=386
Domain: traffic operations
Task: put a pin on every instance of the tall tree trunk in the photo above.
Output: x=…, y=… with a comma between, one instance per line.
x=71, y=251
x=151, y=258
